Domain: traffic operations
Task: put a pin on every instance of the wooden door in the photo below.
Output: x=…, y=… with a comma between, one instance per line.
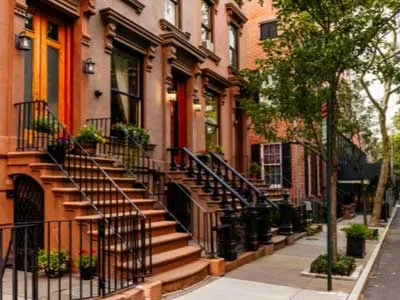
x=179, y=116
x=47, y=64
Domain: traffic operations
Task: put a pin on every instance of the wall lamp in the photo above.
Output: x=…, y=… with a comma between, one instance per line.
x=171, y=94
x=196, y=104
x=22, y=42
x=89, y=66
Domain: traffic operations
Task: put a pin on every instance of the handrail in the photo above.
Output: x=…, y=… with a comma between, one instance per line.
x=215, y=176
x=244, y=179
x=85, y=173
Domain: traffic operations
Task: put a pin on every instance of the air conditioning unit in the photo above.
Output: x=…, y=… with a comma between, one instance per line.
x=209, y=45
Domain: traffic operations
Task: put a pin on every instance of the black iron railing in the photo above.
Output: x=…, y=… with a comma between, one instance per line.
x=239, y=219
x=39, y=129
x=237, y=180
x=72, y=260
x=200, y=224
x=123, y=147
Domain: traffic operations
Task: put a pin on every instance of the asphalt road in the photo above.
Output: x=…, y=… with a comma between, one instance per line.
x=384, y=280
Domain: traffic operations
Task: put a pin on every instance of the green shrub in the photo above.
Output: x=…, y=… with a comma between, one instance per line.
x=344, y=266
x=357, y=231
x=255, y=168
x=55, y=263
x=45, y=124
x=373, y=235
x=89, y=135
x=140, y=135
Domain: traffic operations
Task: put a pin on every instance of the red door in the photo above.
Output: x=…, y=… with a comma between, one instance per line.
x=179, y=116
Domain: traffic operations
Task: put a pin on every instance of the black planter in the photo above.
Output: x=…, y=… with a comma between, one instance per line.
x=355, y=247
x=118, y=133
x=58, y=152
x=87, y=273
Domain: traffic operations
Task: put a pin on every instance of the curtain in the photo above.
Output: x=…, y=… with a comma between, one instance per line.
x=122, y=84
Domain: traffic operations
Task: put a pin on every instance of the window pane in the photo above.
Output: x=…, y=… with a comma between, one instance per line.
x=205, y=14
x=126, y=85
x=52, y=31
x=232, y=37
x=268, y=30
x=170, y=11
x=52, y=79
x=211, y=136
x=212, y=121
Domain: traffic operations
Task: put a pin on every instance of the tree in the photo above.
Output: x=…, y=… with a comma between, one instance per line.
x=382, y=67
x=307, y=64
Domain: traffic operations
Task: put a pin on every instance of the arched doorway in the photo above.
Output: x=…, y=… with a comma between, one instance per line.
x=179, y=204
x=28, y=211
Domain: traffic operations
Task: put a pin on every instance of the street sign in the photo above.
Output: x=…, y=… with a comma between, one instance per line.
x=324, y=131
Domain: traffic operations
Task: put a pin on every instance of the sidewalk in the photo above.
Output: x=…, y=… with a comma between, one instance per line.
x=384, y=280
x=278, y=276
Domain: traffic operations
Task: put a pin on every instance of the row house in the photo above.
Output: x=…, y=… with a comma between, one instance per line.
x=86, y=210
x=287, y=165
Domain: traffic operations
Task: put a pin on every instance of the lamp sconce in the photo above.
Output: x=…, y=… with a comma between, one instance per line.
x=22, y=42
x=89, y=66
x=171, y=94
x=196, y=104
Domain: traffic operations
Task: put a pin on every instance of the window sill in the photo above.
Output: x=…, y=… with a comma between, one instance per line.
x=233, y=70
x=167, y=26
x=211, y=55
x=136, y=5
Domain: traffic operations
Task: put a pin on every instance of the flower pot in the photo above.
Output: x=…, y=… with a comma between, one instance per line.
x=57, y=152
x=355, y=247
x=50, y=273
x=90, y=148
x=87, y=273
x=119, y=134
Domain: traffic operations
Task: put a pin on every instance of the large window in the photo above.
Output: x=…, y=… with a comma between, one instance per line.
x=171, y=11
x=268, y=30
x=233, y=47
x=126, y=78
x=206, y=24
x=212, y=121
x=273, y=164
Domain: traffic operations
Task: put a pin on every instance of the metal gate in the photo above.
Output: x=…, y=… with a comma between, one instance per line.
x=28, y=209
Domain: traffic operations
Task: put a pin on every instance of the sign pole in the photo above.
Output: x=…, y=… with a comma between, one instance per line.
x=326, y=113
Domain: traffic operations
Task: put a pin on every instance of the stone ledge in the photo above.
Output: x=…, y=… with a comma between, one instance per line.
x=248, y=257
x=353, y=277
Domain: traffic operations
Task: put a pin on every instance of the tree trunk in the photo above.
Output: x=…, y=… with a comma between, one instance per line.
x=383, y=176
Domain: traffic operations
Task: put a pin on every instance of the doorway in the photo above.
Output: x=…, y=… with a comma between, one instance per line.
x=239, y=138
x=180, y=205
x=47, y=68
x=28, y=210
x=178, y=111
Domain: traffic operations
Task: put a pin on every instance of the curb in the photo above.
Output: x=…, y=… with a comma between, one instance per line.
x=359, y=286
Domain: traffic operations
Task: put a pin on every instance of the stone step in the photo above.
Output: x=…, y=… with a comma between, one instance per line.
x=168, y=260
x=159, y=244
x=77, y=170
x=64, y=181
x=113, y=205
x=182, y=277
x=99, y=194
x=279, y=242
x=155, y=215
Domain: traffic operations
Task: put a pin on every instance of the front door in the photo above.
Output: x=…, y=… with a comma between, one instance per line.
x=29, y=215
x=179, y=116
x=47, y=64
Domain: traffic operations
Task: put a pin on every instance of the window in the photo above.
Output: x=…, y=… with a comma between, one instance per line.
x=273, y=164
x=268, y=30
x=126, y=75
x=233, y=47
x=206, y=23
x=212, y=121
x=171, y=11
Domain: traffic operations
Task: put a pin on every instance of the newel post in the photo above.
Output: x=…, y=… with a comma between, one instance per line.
x=264, y=227
x=286, y=216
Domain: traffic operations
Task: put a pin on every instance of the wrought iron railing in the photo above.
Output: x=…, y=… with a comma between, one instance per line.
x=39, y=129
x=202, y=224
x=72, y=259
x=237, y=180
x=240, y=218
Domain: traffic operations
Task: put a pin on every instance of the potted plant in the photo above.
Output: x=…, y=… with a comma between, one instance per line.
x=58, y=149
x=44, y=127
x=140, y=135
x=54, y=263
x=119, y=130
x=89, y=137
x=87, y=264
x=356, y=235
x=219, y=150
x=255, y=170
